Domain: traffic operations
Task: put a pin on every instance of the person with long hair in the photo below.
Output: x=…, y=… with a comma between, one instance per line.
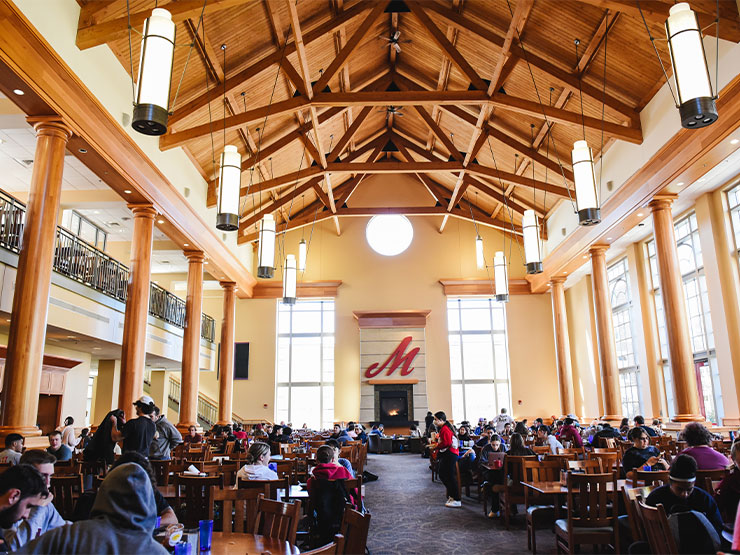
x=447, y=453
x=258, y=457
x=101, y=445
x=68, y=433
x=517, y=447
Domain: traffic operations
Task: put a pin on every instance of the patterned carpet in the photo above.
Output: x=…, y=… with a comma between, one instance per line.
x=409, y=516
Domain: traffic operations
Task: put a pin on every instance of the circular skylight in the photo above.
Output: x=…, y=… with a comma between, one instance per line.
x=389, y=234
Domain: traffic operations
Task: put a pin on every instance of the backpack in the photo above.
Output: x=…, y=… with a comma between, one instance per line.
x=328, y=500
x=693, y=532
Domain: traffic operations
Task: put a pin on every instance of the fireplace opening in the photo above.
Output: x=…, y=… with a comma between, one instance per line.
x=394, y=407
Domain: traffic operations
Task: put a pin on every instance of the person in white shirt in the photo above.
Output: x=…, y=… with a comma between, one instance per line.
x=68, y=433
x=543, y=435
x=13, y=448
x=501, y=421
x=256, y=468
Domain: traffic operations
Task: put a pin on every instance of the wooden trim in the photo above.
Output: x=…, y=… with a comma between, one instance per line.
x=306, y=289
x=484, y=287
x=376, y=381
x=391, y=319
x=50, y=362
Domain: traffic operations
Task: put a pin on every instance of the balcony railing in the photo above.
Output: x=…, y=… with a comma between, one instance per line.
x=207, y=407
x=82, y=262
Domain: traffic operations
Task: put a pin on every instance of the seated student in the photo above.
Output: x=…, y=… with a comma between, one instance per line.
x=495, y=446
x=658, y=427
x=606, y=431
x=340, y=435
x=521, y=428
x=84, y=438
x=13, y=449
x=466, y=453
x=86, y=501
x=361, y=435
x=43, y=516
x=122, y=519
x=480, y=427
x=517, y=447
x=682, y=495
x=570, y=433
x=258, y=459
x=624, y=427
x=486, y=437
x=727, y=494
x=699, y=441
x=641, y=454
x=543, y=435
x=328, y=467
x=22, y=488
x=536, y=426
x=239, y=432
x=492, y=476
x=640, y=421
x=507, y=431
x=377, y=430
x=334, y=444
x=60, y=451
x=414, y=431
x=352, y=431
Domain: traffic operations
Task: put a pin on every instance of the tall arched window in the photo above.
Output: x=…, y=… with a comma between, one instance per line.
x=629, y=371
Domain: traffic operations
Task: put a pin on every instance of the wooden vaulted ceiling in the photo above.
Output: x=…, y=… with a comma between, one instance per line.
x=490, y=93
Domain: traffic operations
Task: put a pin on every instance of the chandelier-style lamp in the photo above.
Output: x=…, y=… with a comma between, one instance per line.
x=501, y=277
x=229, y=183
x=532, y=250
x=289, y=280
x=587, y=199
x=480, y=260
x=695, y=97
x=155, y=72
x=266, y=252
x=302, y=255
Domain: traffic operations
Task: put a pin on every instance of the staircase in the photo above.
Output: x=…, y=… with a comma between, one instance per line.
x=207, y=407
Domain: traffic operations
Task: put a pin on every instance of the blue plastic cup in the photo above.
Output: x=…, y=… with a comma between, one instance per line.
x=159, y=522
x=183, y=548
x=206, y=534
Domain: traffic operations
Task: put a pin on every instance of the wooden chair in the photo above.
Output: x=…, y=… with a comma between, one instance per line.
x=161, y=471
x=336, y=547
x=541, y=449
x=238, y=509
x=609, y=459
x=354, y=528
x=194, y=500
x=589, y=466
x=67, y=469
x=273, y=486
x=651, y=477
x=65, y=489
x=513, y=490
x=658, y=533
x=712, y=475
x=608, y=442
x=562, y=458
x=229, y=470
x=300, y=468
x=579, y=452
x=632, y=496
x=276, y=519
x=589, y=520
x=538, y=508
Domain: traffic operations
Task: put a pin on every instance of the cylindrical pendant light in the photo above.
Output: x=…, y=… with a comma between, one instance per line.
x=266, y=253
x=500, y=276
x=532, y=251
x=155, y=72
x=229, y=183
x=587, y=200
x=289, y=280
x=691, y=75
x=302, y=256
x=479, y=259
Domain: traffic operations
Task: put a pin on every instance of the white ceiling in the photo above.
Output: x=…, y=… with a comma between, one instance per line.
x=117, y=220
x=169, y=262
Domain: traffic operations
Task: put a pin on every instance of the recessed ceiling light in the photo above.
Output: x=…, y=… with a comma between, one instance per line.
x=127, y=191
x=7, y=319
x=585, y=256
x=608, y=238
x=185, y=245
x=83, y=151
x=565, y=273
x=70, y=337
x=160, y=221
x=639, y=214
x=97, y=348
x=702, y=179
x=206, y=262
x=734, y=141
x=96, y=211
x=679, y=184
x=18, y=92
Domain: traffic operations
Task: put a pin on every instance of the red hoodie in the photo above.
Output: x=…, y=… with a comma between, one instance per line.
x=327, y=471
x=445, y=440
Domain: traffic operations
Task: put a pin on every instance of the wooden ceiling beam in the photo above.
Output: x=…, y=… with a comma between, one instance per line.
x=322, y=196
x=441, y=135
x=520, y=180
x=115, y=29
x=347, y=137
x=446, y=46
x=246, y=222
x=592, y=48
x=286, y=179
x=341, y=59
x=295, y=223
x=340, y=39
x=425, y=180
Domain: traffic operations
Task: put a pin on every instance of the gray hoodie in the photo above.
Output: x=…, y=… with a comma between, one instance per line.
x=166, y=439
x=122, y=520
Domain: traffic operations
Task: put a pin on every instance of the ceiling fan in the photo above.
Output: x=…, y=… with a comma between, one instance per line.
x=392, y=110
x=393, y=41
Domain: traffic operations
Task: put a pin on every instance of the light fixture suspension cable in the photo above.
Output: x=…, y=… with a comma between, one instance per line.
x=603, y=115
x=655, y=48
x=580, y=90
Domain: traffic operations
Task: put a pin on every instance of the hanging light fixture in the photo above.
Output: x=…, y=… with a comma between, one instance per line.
x=266, y=252
x=155, y=71
x=481, y=261
x=532, y=251
x=289, y=280
x=302, y=255
x=500, y=276
x=229, y=183
x=693, y=85
x=587, y=200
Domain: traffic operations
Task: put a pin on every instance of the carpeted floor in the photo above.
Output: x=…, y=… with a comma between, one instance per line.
x=409, y=516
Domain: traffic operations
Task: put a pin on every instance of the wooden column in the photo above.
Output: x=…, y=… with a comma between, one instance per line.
x=685, y=391
x=191, y=343
x=605, y=333
x=562, y=345
x=226, y=360
x=133, y=349
x=22, y=379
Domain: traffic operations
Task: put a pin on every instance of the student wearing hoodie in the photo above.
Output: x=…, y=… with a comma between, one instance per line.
x=328, y=467
x=122, y=520
x=340, y=435
x=258, y=457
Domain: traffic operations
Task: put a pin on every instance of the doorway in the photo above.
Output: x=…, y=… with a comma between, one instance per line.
x=49, y=415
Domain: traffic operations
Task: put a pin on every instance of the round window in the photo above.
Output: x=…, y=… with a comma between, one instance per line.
x=389, y=234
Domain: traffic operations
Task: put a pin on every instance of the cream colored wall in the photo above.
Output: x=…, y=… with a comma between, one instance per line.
x=408, y=281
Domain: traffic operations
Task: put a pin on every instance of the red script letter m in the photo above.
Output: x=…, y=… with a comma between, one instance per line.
x=396, y=359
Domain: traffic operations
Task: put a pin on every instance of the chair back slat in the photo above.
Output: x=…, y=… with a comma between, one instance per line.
x=588, y=500
x=609, y=459
x=658, y=532
x=272, y=485
x=195, y=498
x=276, y=519
x=541, y=471
x=64, y=488
x=651, y=477
x=336, y=547
x=588, y=466
x=239, y=509
x=161, y=471
x=354, y=528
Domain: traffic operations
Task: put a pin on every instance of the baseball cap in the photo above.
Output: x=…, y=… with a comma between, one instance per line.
x=144, y=400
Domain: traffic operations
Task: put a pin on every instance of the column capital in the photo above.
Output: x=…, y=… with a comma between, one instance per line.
x=662, y=201
x=558, y=280
x=50, y=125
x=598, y=249
x=195, y=257
x=227, y=285
x=143, y=211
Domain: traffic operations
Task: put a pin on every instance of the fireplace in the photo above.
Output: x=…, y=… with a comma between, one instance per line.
x=394, y=404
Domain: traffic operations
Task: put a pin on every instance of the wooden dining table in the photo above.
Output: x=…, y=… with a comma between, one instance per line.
x=558, y=490
x=230, y=543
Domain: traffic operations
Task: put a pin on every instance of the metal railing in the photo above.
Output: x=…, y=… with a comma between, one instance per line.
x=207, y=407
x=79, y=260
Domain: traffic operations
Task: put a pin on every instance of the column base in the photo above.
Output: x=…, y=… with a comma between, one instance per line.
x=224, y=423
x=25, y=431
x=688, y=418
x=612, y=418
